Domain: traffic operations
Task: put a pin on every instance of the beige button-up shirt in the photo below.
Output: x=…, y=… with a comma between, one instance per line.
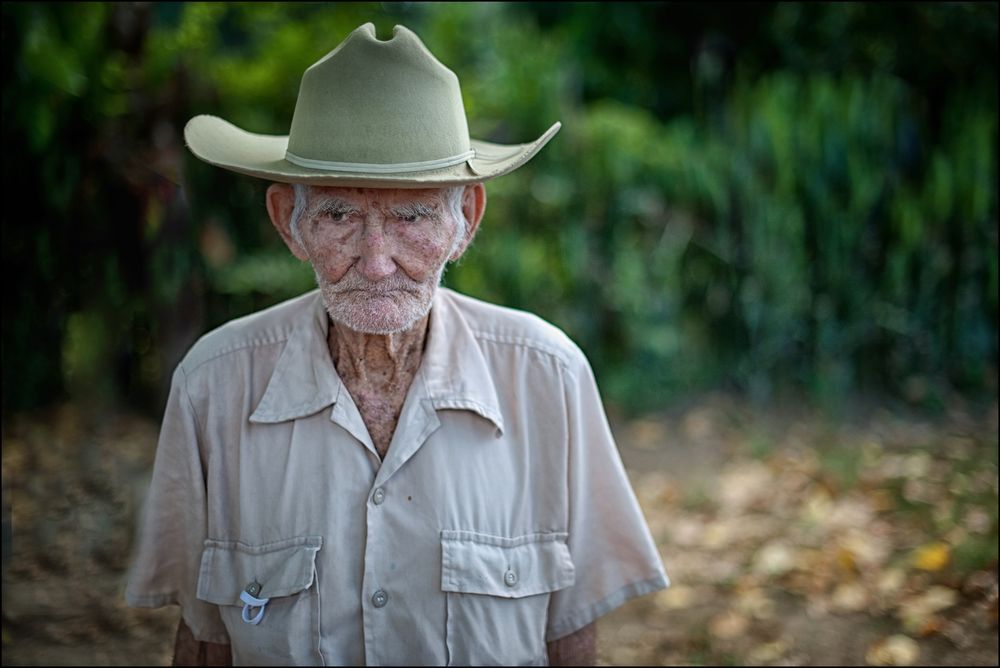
x=500, y=518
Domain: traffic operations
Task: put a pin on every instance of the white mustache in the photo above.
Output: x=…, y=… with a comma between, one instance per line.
x=353, y=282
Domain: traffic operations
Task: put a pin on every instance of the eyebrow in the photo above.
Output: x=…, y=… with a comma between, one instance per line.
x=336, y=205
x=414, y=209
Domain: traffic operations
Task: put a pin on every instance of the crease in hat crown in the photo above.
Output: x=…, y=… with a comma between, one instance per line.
x=379, y=106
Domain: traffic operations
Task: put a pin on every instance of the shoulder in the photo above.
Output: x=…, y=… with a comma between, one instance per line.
x=269, y=327
x=502, y=326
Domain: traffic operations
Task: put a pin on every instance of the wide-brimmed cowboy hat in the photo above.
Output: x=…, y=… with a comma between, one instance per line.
x=371, y=113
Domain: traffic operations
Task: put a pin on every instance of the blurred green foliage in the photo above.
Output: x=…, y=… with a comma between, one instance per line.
x=754, y=196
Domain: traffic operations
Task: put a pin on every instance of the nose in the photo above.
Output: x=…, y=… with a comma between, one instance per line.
x=376, y=261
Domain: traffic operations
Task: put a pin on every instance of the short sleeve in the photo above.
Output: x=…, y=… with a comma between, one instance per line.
x=614, y=555
x=172, y=532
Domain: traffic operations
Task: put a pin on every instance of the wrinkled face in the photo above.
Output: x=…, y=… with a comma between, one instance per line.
x=378, y=253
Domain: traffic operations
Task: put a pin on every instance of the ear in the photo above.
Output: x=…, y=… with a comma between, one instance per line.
x=473, y=206
x=280, y=200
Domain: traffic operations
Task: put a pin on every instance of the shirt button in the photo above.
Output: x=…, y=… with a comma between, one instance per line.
x=379, y=496
x=380, y=598
x=510, y=578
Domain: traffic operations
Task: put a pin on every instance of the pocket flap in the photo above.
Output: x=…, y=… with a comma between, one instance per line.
x=282, y=568
x=475, y=563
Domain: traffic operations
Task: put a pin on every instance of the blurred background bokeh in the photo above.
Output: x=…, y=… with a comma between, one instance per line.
x=772, y=227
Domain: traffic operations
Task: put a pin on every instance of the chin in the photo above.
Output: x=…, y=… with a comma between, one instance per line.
x=374, y=325
x=376, y=315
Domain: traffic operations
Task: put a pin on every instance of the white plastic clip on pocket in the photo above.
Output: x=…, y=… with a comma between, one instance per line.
x=250, y=601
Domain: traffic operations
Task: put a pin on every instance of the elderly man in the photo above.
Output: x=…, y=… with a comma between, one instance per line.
x=383, y=471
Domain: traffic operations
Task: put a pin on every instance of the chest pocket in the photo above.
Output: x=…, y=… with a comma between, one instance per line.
x=497, y=592
x=287, y=633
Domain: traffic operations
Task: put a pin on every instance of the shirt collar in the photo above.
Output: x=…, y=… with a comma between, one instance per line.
x=455, y=371
x=453, y=368
x=304, y=380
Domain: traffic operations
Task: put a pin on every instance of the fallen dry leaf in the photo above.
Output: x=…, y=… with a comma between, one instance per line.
x=850, y=597
x=719, y=534
x=896, y=650
x=890, y=581
x=977, y=520
x=768, y=652
x=917, y=490
x=817, y=507
x=917, y=465
x=868, y=550
x=854, y=510
x=623, y=655
x=916, y=610
x=739, y=487
x=846, y=561
x=729, y=624
x=980, y=583
x=932, y=557
x=881, y=500
x=774, y=559
x=755, y=602
x=675, y=597
x=686, y=531
x=655, y=488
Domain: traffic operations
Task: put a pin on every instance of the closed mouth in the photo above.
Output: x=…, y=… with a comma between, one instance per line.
x=378, y=293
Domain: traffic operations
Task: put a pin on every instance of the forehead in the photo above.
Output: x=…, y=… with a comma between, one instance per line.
x=378, y=196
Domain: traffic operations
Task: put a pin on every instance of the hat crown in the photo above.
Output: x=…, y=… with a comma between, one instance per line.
x=379, y=103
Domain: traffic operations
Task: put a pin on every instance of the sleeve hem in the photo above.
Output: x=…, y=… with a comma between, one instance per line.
x=577, y=620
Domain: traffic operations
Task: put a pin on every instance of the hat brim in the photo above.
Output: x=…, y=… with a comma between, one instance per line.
x=220, y=143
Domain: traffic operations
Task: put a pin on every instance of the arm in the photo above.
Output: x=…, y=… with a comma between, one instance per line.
x=171, y=536
x=577, y=649
x=188, y=651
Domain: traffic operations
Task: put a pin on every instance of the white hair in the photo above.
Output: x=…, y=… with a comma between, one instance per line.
x=301, y=199
x=452, y=197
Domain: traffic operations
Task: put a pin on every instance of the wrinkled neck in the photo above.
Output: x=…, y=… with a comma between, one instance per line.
x=377, y=359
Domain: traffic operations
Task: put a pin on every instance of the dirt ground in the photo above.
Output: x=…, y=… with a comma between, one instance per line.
x=790, y=538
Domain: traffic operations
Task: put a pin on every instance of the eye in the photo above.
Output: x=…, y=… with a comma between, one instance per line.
x=413, y=213
x=336, y=215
